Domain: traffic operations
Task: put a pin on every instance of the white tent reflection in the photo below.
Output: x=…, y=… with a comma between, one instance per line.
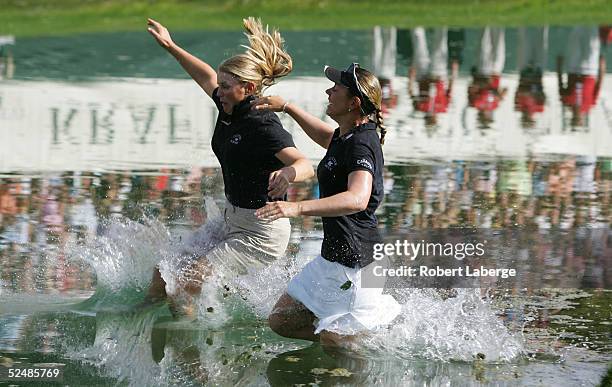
x=124, y=124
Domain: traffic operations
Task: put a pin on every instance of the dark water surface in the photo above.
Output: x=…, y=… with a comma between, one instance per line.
x=105, y=165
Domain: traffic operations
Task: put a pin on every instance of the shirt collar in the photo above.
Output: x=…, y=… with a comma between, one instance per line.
x=370, y=125
x=243, y=107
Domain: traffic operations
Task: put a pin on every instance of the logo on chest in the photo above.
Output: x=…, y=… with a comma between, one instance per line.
x=235, y=139
x=330, y=163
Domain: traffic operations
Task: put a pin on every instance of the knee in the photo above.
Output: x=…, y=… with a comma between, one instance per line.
x=331, y=340
x=180, y=307
x=277, y=323
x=193, y=276
x=157, y=277
x=192, y=288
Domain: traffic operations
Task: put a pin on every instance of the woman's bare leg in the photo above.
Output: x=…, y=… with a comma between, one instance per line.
x=335, y=343
x=190, y=286
x=290, y=318
x=194, y=275
x=157, y=288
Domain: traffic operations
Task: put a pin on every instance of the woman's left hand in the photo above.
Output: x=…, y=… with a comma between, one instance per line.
x=275, y=210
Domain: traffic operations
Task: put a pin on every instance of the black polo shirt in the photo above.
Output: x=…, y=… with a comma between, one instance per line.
x=245, y=142
x=349, y=239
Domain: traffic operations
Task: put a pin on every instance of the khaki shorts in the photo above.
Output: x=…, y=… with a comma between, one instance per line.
x=250, y=243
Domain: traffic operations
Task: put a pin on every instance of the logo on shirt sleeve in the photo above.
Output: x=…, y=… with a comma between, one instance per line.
x=365, y=163
x=235, y=139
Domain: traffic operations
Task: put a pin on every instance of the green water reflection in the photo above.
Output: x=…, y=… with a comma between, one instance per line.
x=134, y=54
x=149, y=348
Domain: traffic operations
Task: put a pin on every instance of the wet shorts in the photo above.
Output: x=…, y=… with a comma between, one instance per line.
x=249, y=243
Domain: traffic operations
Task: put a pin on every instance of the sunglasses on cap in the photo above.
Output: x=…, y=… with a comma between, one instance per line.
x=348, y=79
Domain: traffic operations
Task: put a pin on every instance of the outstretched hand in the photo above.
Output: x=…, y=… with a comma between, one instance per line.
x=275, y=210
x=160, y=33
x=274, y=103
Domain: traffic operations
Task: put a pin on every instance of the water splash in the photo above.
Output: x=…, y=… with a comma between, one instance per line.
x=261, y=289
x=123, y=260
x=462, y=327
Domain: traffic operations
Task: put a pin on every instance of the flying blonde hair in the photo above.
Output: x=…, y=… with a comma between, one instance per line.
x=264, y=60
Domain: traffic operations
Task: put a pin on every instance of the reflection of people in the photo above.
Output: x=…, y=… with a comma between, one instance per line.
x=258, y=157
x=328, y=290
x=7, y=66
x=532, y=54
x=383, y=59
x=585, y=71
x=431, y=74
x=484, y=92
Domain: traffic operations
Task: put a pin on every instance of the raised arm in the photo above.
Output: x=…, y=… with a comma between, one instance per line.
x=200, y=71
x=354, y=199
x=319, y=131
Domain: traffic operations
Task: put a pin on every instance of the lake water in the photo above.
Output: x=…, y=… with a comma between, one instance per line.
x=106, y=169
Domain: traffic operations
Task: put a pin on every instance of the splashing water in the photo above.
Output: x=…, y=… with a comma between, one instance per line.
x=125, y=257
x=123, y=260
x=263, y=288
x=225, y=295
x=462, y=327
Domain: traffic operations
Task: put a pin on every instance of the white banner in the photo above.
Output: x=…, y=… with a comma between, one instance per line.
x=148, y=123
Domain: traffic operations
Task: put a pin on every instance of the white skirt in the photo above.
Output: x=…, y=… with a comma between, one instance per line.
x=334, y=294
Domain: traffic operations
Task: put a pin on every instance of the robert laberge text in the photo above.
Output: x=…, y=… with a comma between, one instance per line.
x=437, y=271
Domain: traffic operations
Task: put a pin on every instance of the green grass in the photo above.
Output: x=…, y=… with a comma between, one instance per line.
x=61, y=17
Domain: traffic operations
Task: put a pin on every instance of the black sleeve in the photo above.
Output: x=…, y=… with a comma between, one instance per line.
x=275, y=138
x=216, y=99
x=360, y=156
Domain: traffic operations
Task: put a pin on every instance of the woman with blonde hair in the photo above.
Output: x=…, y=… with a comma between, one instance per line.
x=258, y=157
x=326, y=301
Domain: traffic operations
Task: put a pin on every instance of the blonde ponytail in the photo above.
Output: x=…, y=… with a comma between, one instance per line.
x=265, y=58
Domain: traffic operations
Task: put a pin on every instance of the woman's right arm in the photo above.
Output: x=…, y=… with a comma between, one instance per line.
x=200, y=71
x=353, y=200
x=318, y=130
